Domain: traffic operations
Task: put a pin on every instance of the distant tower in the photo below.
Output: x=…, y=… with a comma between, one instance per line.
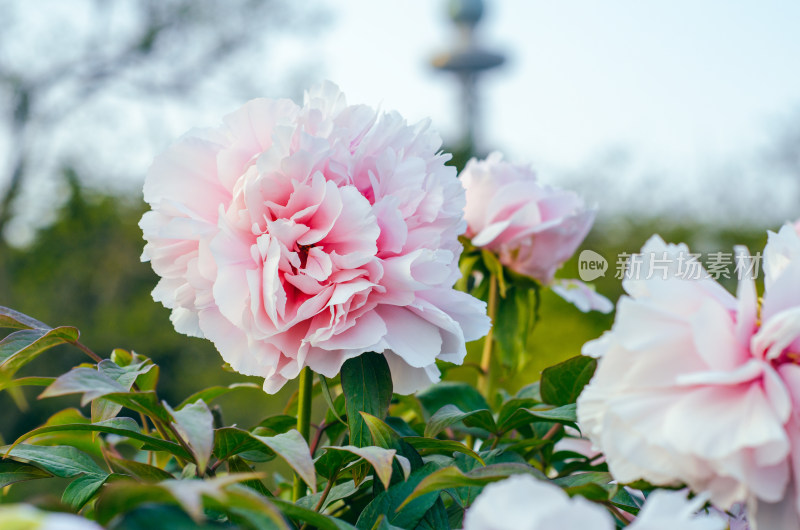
x=467, y=60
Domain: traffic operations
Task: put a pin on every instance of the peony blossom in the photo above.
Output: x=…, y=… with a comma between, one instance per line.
x=302, y=236
x=522, y=502
x=697, y=386
x=27, y=517
x=533, y=228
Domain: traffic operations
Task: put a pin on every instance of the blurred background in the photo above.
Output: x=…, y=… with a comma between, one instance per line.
x=679, y=118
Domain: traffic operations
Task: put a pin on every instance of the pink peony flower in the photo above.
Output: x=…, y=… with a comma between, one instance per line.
x=304, y=236
x=695, y=385
x=532, y=227
x=522, y=502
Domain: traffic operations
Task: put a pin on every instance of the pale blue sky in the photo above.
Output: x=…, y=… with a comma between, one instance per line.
x=686, y=86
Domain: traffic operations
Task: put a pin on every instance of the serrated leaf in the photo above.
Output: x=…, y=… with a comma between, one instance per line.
x=450, y=415
x=293, y=448
x=562, y=384
x=426, y=446
x=195, y=424
x=12, y=472
x=367, y=386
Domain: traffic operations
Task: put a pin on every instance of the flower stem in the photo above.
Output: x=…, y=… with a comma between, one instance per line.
x=303, y=421
x=485, y=377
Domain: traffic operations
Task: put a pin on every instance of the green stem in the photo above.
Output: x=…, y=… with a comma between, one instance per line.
x=303, y=422
x=485, y=377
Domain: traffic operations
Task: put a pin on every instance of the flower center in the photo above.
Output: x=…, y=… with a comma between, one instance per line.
x=302, y=252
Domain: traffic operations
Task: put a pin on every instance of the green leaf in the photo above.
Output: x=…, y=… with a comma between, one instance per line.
x=103, y=409
x=562, y=384
x=326, y=394
x=139, y=470
x=462, y=395
x=314, y=519
x=453, y=477
x=495, y=268
x=230, y=441
x=195, y=424
x=379, y=458
x=21, y=347
x=367, y=386
x=237, y=465
x=338, y=492
x=516, y=320
x=16, y=320
x=169, y=517
x=596, y=485
x=426, y=446
x=87, y=381
x=388, y=503
x=293, y=448
x=531, y=391
x=82, y=489
x=120, y=426
x=385, y=437
x=466, y=265
x=510, y=407
x=276, y=425
x=144, y=402
x=212, y=393
x=450, y=414
x=125, y=496
x=61, y=461
x=12, y=472
x=30, y=381
x=566, y=415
